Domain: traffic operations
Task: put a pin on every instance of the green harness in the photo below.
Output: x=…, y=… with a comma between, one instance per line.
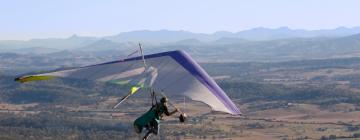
x=154, y=114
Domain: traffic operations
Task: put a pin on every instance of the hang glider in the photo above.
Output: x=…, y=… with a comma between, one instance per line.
x=173, y=72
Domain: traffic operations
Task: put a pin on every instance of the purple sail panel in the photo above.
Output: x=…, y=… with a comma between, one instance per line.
x=195, y=69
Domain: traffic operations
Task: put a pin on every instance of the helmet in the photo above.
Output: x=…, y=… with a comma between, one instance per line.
x=163, y=100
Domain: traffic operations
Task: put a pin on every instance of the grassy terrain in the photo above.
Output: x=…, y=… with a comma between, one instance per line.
x=317, y=99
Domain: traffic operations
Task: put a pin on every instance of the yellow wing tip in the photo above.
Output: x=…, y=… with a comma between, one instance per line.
x=24, y=79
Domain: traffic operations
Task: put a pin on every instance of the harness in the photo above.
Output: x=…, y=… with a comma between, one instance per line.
x=154, y=101
x=156, y=106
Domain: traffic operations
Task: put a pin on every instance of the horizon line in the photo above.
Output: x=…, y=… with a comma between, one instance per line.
x=178, y=30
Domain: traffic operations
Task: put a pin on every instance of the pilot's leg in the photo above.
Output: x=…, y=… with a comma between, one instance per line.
x=148, y=134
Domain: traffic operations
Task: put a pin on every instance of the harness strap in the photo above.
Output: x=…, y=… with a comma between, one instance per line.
x=153, y=98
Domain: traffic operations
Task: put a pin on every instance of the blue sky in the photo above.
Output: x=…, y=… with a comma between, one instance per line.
x=24, y=19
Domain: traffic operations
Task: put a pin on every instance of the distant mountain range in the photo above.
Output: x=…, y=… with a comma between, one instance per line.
x=256, y=34
x=155, y=38
x=260, y=44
